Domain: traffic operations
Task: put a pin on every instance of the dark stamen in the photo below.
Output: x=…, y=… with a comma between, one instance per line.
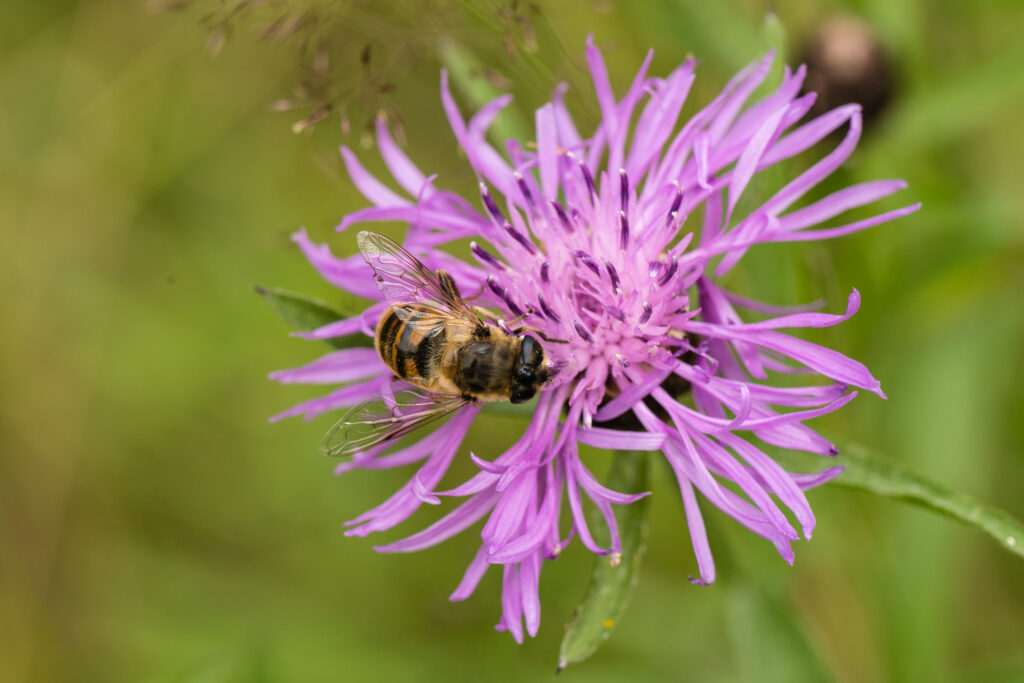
x=547, y=311
x=521, y=238
x=485, y=256
x=613, y=275
x=524, y=188
x=587, y=261
x=582, y=331
x=615, y=312
x=623, y=230
x=495, y=287
x=563, y=218
x=667, y=275
x=545, y=270
x=492, y=208
x=676, y=203
x=623, y=190
x=511, y=305
x=648, y=312
x=587, y=177
x=503, y=293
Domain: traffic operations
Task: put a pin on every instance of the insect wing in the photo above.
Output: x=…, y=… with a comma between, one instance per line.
x=386, y=419
x=404, y=281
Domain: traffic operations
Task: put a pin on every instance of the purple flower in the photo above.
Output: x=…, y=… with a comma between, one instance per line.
x=596, y=243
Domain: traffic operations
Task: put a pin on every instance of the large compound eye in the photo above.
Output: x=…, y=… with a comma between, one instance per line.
x=530, y=352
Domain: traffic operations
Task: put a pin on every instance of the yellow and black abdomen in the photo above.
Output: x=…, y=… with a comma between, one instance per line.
x=412, y=342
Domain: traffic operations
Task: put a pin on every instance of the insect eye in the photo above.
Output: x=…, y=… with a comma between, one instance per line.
x=524, y=375
x=530, y=353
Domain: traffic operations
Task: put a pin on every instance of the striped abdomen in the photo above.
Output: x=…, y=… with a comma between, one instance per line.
x=413, y=347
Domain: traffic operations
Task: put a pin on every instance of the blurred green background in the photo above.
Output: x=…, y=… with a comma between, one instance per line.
x=155, y=527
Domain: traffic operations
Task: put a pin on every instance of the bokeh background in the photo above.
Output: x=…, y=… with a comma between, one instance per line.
x=155, y=527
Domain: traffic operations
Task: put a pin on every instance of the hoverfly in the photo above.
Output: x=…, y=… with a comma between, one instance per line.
x=433, y=340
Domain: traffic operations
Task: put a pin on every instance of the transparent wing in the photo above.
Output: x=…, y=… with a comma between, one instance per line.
x=386, y=418
x=404, y=281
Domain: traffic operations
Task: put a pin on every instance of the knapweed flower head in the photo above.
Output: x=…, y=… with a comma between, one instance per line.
x=593, y=241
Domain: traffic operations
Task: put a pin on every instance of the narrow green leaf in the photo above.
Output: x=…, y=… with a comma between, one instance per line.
x=773, y=37
x=771, y=641
x=613, y=580
x=306, y=313
x=867, y=471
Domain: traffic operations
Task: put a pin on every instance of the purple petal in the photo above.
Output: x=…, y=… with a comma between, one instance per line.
x=458, y=224
x=371, y=188
x=547, y=150
x=528, y=542
x=481, y=156
x=838, y=202
x=698, y=534
x=809, y=481
x=820, y=170
x=455, y=521
x=471, y=579
x=339, y=398
x=771, y=309
x=624, y=113
x=404, y=171
x=351, y=274
x=826, y=361
x=810, y=133
x=602, y=88
x=746, y=82
x=777, y=479
x=615, y=439
x=509, y=511
x=530, y=577
x=809, y=319
x=334, y=368
x=629, y=396
x=751, y=156
x=657, y=121
x=511, y=602
x=567, y=132
x=828, y=233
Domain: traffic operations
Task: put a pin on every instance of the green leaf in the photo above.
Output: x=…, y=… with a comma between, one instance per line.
x=770, y=641
x=867, y=471
x=306, y=313
x=773, y=37
x=613, y=580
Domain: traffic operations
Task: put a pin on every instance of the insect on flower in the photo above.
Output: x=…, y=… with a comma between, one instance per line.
x=614, y=240
x=432, y=339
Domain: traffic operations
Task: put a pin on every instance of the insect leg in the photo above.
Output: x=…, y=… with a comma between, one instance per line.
x=533, y=330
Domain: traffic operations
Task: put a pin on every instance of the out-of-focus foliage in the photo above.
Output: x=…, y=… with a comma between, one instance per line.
x=350, y=54
x=155, y=527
